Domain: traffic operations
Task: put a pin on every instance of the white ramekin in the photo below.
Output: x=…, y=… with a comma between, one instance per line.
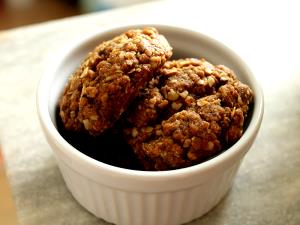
x=130, y=197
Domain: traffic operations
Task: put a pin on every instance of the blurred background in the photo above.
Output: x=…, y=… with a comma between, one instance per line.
x=14, y=13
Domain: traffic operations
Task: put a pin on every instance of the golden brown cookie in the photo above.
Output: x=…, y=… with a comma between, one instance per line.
x=191, y=111
x=111, y=76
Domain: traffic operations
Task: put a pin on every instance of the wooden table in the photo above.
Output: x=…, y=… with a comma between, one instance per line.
x=265, y=33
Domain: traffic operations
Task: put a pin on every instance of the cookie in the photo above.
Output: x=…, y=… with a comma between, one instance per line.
x=189, y=112
x=110, y=78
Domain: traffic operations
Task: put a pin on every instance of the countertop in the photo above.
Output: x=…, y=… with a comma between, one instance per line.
x=264, y=33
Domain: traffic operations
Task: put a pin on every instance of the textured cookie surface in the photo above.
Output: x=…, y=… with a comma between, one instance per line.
x=189, y=112
x=109, y=79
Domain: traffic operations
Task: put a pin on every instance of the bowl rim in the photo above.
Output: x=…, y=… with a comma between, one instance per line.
x=239, y=148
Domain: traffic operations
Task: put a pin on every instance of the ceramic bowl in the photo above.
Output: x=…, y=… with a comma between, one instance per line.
x=132, y=197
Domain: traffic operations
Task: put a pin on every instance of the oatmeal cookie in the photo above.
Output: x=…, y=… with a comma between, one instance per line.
x=191, y=111
x=109, y=79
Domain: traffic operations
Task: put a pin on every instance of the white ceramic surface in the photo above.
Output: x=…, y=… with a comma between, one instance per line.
x=129, y=197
